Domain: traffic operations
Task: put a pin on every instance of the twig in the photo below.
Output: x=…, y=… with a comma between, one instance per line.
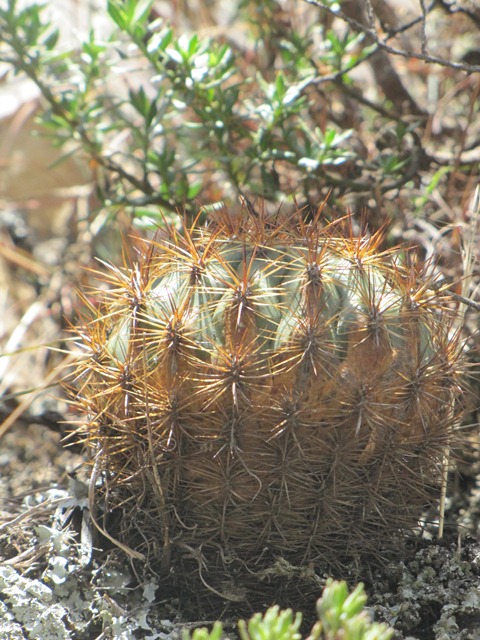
x=34, y=512
x=424, y=27
x=456, y=296
x=474, y=17
x=24, y=260
x=408, y=25
x=382, y=44
x=92, y=502
x=443, y=490
x=23, y=406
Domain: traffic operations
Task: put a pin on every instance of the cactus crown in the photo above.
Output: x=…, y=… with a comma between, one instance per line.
x=260, y=388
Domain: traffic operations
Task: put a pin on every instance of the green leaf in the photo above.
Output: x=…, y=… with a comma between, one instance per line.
x=142, y=10
x=204, y=634
x=355, y=602
x=52, y=39
x=273, y=625
x=194, y=189
x=160, y=41
x=117, y=14
x=192, y=45
x=145, y=107
x=280, y=87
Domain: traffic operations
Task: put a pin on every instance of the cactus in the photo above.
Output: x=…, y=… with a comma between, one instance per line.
x=260, y=388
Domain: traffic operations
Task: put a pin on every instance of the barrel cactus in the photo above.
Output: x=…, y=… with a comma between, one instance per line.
x=261, y=388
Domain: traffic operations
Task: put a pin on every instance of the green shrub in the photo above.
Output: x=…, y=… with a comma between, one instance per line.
x=268, y=115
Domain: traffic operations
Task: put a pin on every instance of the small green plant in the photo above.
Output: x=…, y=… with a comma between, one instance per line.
x=341, y=616
x=275, y=624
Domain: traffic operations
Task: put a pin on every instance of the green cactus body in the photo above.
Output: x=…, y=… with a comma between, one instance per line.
x=268, y=389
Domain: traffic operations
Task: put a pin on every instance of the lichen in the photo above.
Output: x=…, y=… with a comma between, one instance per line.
x=437, y=590
x=67, y=600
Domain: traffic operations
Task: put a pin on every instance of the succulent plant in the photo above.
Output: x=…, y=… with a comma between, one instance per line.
x=341, y=616
x=267, y=387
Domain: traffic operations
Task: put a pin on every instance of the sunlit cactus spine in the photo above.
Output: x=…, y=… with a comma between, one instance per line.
x=265, y=387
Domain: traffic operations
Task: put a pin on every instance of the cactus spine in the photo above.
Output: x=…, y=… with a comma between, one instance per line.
x=259, y=389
